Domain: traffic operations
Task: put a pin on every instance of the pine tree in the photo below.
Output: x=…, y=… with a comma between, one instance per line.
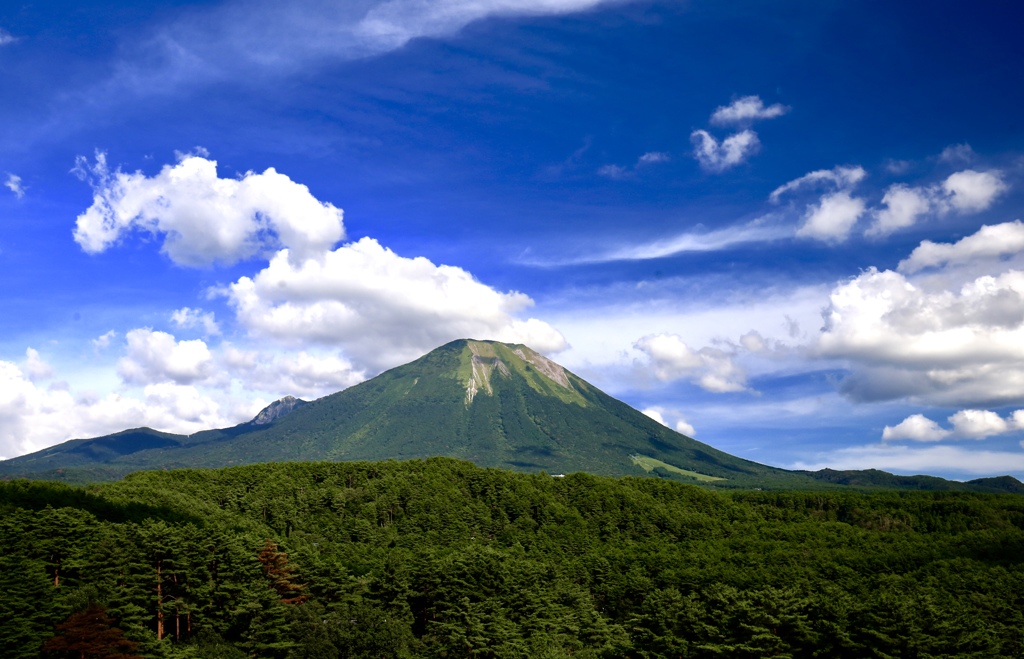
x=276, y=568
x=91, y=634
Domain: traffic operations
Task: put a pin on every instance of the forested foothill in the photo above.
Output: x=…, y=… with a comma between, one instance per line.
x=440, y=558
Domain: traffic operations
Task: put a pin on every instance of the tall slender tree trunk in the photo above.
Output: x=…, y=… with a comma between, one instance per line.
x=159, y=601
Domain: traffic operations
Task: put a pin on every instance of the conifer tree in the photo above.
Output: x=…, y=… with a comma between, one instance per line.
x=276, y=568
x=91, y=634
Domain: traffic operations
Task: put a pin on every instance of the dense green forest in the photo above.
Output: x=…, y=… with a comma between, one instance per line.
x=440, y=558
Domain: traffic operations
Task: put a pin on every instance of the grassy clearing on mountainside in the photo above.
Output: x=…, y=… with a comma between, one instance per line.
x=650, y=464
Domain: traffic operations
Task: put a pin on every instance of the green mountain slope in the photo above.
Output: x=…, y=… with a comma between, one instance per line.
x=494, y=404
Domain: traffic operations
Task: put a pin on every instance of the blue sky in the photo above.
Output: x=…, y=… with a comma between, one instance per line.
x=790, y=229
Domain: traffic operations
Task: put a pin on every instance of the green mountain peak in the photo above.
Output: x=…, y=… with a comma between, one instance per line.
x=495, y=404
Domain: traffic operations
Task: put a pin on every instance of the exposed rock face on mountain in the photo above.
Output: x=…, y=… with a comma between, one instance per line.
x=276, y=410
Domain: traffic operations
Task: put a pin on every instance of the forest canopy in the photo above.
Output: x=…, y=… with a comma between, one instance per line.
x=440, y=558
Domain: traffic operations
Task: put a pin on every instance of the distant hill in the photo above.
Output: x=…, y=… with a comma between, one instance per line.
x=494, y=404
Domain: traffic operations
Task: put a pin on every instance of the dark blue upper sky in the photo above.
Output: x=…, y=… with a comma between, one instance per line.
x=709, y=209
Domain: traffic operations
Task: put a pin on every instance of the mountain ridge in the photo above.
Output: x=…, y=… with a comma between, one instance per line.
x=491, y=403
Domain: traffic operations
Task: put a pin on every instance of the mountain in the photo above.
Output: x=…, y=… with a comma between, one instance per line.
x=494, y=404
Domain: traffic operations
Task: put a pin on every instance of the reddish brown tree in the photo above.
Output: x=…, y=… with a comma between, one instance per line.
x=91, y=634
x=276, y=567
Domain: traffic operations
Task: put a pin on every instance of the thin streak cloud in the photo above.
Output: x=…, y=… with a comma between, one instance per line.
x=688, y=242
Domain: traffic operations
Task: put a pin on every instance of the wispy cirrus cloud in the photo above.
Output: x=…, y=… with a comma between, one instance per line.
x=757, y=231
x=392, y=24
x=620, y=172
x=262, y=37
x=957, y=153
x=253, y=42
x=842, y=177
x=652, y=157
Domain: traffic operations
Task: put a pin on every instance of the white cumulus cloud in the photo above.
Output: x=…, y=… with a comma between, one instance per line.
x=832, y=218
x=33, y=417
x=746, y=110
x=659, y=414
x=989, y=242
x=205, y=219
x=979, y=424
x=716, y=156
x=35, y=366
x=952, y=338
x=305, y=374
x=334, y=316
x=154, y=357
x=102, y=342
x=710, y=368
x=903, y=205
x=966, y=424
x=916, y=427
x=655, y=414
x=381, y=308
x=682, y=426
x=964, y=192
x=971, y=192
x=188, y=318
